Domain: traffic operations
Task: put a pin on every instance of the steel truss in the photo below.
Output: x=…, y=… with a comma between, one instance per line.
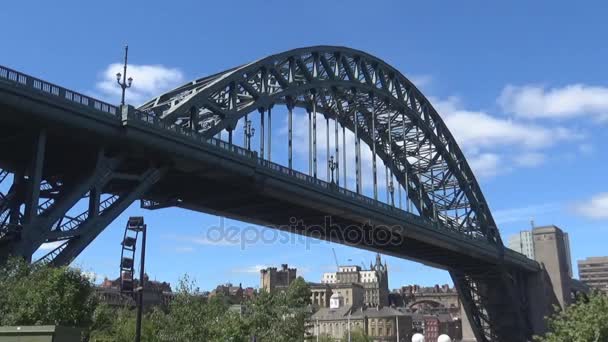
x=37, y=208
x=384, y=109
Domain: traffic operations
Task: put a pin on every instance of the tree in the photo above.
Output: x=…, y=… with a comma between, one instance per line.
x=43, y=295
x=356, y=335
x=583, y=321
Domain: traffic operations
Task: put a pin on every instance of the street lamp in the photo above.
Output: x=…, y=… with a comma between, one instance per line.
x=333, y=165
x=391, y=189
x=126, y=83
x=249, y=132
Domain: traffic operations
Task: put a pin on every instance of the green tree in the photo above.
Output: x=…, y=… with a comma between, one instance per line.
x=583, y=321
x=43, y=295
x=356, y=335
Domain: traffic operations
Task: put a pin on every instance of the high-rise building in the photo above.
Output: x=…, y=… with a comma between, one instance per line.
x=374, y=281
x=273, y=279
x=522, y=243
x=593, y=272
x=551, y=250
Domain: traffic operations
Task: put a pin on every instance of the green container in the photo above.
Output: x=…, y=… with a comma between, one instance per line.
x=41, y=333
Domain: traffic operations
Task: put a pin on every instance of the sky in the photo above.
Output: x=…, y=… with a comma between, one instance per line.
x=522, y=85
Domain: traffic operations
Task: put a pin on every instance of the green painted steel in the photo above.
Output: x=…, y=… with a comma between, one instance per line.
x=42, y=333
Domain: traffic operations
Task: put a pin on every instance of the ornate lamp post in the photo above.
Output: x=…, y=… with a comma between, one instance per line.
x=333, y=165
x=249, y=133
x=126, y=83
x=391, y=189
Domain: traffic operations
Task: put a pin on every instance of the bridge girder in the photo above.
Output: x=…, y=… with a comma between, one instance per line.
x=342, y=83
x=391, y=114
x=358, y=91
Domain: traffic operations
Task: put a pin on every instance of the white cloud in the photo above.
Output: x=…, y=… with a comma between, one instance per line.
x=421, y=81
x=533, y=101
x=184, y=249
x=530, y=159
x=524, y=214
x=478, y=129
x=596, y=207
x=251, y=269
x=50, y=246
x=485, y=164
x=148, y=81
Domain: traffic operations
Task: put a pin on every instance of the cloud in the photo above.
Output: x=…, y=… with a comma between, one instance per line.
x=524, y=214
x=530, y=159
x=595, y=207
x=485, y=164
x=478, y=129
x=531, y=101
x=51, y=245
x=148, y=81
x=184, y=249
x=251, y=269
x=421, y=81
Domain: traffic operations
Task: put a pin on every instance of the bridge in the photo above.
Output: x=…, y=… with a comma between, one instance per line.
x=60, y=149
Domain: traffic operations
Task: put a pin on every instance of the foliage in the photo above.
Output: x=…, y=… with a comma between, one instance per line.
x=272, y=317
x=583, y=321
x=42, y=295
x=356, y=335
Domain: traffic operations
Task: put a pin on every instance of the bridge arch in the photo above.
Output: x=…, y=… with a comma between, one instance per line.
x=364, y=94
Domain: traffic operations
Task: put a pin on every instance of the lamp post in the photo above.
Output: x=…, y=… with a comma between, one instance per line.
x=333, y=165
x=140, y=289
x=249, y=132
x=391, y=189
x=126, y=83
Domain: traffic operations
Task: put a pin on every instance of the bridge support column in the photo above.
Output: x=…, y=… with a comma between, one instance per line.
x=80, y=236
x=344, y=156
x=336, y=142
x=314, y=135
x=290, y=133
x=357, y=153
x=270, y=133
x=494, y=305
x=374, y=169
x=262, y=142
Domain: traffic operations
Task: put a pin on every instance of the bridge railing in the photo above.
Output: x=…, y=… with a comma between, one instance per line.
x=152, y=119
x=53, y=90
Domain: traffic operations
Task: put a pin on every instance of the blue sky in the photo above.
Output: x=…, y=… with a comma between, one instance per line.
x=522, y=85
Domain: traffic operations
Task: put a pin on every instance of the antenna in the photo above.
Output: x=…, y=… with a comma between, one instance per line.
x=335, y=259
x=532, y=223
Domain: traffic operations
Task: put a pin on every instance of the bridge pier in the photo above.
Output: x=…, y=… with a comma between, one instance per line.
x=45, y=189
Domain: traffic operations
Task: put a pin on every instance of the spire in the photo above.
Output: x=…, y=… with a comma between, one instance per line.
x=378, y=260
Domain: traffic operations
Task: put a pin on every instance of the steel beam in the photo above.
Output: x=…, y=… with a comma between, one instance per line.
x=94, y=225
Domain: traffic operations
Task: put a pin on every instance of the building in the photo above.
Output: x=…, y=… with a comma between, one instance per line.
x=156, y=293
x=593, y=272
x=319, y=295
x=436, y=325
x=379, y=323
x=551, y=251
x=522, y=243
x=230, y=293
x=272, y=279
x=374, y=281
x=431, y=300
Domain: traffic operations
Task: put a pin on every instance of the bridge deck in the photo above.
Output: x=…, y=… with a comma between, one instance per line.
x=211, y=176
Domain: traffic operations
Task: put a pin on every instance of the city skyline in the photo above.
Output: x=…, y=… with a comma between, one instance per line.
x=533, y=146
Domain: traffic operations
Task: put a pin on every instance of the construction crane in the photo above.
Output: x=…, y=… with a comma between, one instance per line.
x=336, y=259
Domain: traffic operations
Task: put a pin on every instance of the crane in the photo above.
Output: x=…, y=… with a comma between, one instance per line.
x=335, y=259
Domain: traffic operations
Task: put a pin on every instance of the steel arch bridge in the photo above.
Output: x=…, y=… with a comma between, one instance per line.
x=160, y=151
